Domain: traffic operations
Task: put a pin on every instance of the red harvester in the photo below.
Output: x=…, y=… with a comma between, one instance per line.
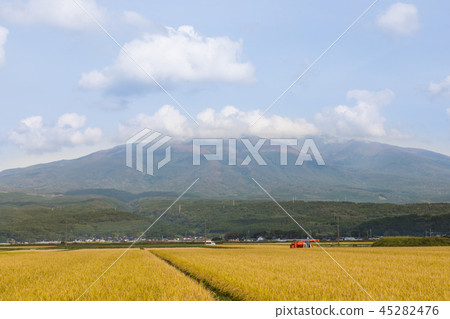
x=303, y=243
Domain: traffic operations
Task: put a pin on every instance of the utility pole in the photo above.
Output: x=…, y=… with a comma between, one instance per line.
x=179, y=209
x=205, y=230
x=65, y=240
x=338, y=235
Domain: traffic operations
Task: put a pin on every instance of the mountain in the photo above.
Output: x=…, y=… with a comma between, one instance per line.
x=354, y=171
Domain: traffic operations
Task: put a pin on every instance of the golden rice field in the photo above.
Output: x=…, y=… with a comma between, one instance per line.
x=65, y=275
x=247, y=272
x=275, y=273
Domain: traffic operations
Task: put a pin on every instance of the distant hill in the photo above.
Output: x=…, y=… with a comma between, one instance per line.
x=27, y=218
x=354, y=171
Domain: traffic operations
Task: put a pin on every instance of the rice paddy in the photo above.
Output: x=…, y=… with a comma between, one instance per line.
x=240, y=272
x=65, y=275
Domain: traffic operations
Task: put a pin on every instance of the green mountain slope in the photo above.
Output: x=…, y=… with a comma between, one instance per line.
x=354, y=171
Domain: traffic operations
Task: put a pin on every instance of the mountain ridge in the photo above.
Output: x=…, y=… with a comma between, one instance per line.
x=354, y=171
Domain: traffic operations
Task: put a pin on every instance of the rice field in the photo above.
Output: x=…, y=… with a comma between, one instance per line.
x=269, y=272
x=238, y=272
x=65, y=275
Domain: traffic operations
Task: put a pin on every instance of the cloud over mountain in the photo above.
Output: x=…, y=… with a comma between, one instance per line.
x=361, y=120
x=226, y=123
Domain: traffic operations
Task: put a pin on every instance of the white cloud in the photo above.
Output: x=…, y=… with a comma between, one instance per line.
x=167, y=119
x=3, y=36
x=441, y=87
x=178, y=55
x=136, y=19
x=226, y=123
x=400, y=19
x=60, y=13
x=231, y=122
x=71, y=120
x=94, y=79
x=35, y=136
x=359, y=121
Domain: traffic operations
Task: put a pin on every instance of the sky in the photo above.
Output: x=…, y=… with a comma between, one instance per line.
x=77, y=76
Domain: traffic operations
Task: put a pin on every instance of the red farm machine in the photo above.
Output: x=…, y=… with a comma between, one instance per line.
x=304, y=243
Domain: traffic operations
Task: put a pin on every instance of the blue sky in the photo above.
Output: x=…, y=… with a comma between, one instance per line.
x=66, y=89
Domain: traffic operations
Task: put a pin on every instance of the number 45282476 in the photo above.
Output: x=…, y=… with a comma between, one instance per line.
x=409, y=310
